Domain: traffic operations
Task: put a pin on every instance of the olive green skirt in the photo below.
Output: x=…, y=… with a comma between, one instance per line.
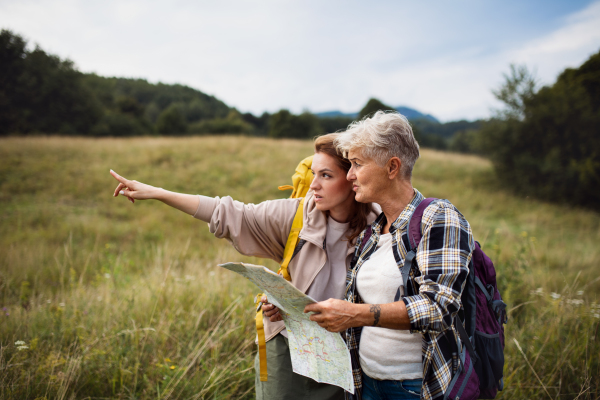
x=283, y=383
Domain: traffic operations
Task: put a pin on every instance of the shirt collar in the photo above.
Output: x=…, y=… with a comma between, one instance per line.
x=402, y=220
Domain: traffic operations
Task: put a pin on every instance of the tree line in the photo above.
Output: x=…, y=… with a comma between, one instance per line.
x=545, y=142
x=40, y=93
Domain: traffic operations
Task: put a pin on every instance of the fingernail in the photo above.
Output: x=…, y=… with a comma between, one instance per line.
x=122, y=192
x=112, y=170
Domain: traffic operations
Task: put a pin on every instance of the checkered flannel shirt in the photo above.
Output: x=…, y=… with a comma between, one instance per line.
x=432, y=297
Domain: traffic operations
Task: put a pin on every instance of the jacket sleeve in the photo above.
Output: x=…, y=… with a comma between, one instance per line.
x=259, y=230
x=443, y=257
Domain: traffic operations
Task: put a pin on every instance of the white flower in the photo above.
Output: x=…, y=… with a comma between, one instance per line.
x=596, y=315
x=19, y=343
x=580, y=293
x=538, y=292
x=190, y=278
x=555, y=296
x=22, y=348
x=48, y=301
x=211, y=273
x=107, y=276
x=575, y=302
x=61, y=304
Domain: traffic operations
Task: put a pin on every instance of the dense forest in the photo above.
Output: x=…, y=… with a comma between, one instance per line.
x=546, y=141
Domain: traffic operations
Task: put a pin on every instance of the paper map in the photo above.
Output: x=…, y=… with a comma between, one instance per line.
x=316, y=353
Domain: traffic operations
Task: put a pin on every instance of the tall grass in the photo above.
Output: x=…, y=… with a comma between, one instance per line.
x=114, y=300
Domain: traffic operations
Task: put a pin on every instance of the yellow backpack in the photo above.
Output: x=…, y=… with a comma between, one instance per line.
x=301, y=181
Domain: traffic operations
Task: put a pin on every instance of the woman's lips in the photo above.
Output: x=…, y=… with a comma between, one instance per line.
x=355, y=188
x=318, y=198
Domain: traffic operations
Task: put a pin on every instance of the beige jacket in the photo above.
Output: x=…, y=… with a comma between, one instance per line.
x=261, y=230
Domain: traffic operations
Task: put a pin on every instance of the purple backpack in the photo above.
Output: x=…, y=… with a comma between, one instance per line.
x=483, y=316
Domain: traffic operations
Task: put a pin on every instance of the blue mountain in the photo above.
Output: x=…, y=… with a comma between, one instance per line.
x=408, y=112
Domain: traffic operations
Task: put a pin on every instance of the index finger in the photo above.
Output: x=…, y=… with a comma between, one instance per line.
x=314, y=307
x=118, y=177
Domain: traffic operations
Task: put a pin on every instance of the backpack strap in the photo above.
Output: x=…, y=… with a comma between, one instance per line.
x=292, y=247
x=292, y=240
x=262, y=343
x=414, y=238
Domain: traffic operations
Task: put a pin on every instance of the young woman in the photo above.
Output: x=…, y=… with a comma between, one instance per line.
x=332, y=222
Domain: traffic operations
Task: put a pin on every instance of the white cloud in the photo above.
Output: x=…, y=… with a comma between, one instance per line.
x=439, y=57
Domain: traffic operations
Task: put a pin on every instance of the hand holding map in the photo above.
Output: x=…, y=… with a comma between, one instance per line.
x=315, y=352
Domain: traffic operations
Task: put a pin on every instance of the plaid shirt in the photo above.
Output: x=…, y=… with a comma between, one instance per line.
x=433, y=294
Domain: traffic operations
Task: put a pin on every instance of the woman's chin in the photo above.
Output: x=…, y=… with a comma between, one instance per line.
x=320, y=206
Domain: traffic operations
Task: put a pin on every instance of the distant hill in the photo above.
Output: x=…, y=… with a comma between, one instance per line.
x=408, y=112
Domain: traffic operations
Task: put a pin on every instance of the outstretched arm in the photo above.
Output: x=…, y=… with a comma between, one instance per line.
x=135, y=190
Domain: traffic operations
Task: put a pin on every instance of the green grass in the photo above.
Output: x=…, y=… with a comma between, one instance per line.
x=125, y=301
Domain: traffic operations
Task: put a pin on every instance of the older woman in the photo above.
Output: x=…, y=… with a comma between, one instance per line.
x=401, y=349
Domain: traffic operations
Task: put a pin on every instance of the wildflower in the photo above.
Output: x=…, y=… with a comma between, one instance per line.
x=580, y=293
x=107, y=276
x=538, y=292
x=524, y=234
x=190, y=278
x=575, y=302
x=167, y=360
x=596, y=315
x=497, y=231
x=21, y=345
x=533, y=239
x=172, y=367
x=61, y=304
x=48, y=301
x=555, y=296
x=211, y=273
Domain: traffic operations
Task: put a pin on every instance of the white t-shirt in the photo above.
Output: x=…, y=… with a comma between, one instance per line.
x=386, y=354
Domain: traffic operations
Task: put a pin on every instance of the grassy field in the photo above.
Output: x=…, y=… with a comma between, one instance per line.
x=104, y=299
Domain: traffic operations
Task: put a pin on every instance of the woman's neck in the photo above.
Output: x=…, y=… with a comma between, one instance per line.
x=342, y=212
x=395, y=202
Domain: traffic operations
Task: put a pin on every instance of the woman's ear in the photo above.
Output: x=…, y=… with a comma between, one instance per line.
x=393, y=167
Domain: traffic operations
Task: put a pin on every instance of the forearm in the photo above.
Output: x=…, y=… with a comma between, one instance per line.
x=390, y=315
x=188, y=203
x=339, y=315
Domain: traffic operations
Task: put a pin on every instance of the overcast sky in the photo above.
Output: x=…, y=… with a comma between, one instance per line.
x=440, y=57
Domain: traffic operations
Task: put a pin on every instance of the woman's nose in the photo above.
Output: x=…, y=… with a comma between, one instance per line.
x=314, y=184
x=350, y=175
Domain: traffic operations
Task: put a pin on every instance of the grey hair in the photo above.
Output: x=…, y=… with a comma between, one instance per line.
x=380, y=137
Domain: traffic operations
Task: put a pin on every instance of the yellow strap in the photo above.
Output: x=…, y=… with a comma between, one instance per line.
x=262, y=343
x=285, y=187
x=292, y=240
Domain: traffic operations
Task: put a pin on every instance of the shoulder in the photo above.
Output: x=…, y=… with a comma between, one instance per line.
x=442, y=212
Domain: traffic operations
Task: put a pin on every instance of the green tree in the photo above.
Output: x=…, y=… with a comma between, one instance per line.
x=40, y=92
x=372, y=106
x=171, y=121
x=546, y=143
x=284, y=124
